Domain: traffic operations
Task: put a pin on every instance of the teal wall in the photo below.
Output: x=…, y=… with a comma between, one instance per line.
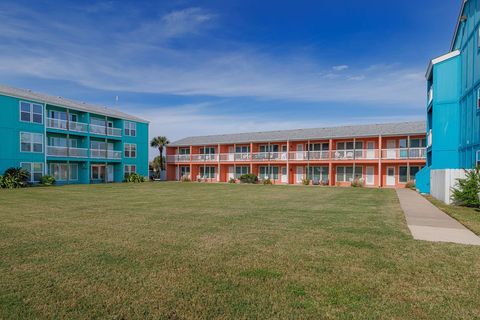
x=11, y=126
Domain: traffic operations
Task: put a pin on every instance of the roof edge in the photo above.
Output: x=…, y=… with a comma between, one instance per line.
x=442, y=58
x=457, y=26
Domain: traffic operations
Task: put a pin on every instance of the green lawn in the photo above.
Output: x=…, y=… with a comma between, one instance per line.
x=469, y=217
x=189, y=250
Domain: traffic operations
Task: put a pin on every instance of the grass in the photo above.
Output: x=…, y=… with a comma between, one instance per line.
x=204, y=251
x=469, y=217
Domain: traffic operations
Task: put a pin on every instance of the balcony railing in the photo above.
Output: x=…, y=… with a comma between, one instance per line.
x=333, y=155
x=404, y=154
x=83, y=127
x=105, y=131
x=105, y=154
x=55, y=151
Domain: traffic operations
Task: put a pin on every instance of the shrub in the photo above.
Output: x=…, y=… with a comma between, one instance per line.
x=267, y=181
x=325, y=183
x=15, y=178
x=185, y=179
x=358, y=183
x=465, y=193
x=306, y=182
x=232, y=180
x=135, y=178
x=248, y=178
x=47, y=180
x=410, y=185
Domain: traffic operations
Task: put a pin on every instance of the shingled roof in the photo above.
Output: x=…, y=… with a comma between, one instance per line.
x=387, y=129
x=62, y=102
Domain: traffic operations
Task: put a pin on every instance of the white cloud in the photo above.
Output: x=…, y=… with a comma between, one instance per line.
x=340, y=67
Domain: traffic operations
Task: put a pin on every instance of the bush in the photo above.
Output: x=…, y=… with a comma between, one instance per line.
x=410, y=185
x=232, y=180
x=135, y=178
x=267, y=181
x=306, y=182
x=248, y=178
x=47, y=180
x=15, y=178
x=466, y=191
x=358, y=183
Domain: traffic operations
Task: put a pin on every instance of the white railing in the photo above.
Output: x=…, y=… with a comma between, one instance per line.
x=57, y=124
x=96, y=129
x=113, y=154
x=55, y=151
x=404, y=153
x=430, y=95
x=429, y=138
x=204, y=157
x=105, y=154
x=115, y=132
x=308, y=155
x=357, y=154
x=269, y=156
x=67, y=125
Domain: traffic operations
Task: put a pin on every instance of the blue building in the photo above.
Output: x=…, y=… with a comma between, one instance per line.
x=73, y=141
x=453, y=103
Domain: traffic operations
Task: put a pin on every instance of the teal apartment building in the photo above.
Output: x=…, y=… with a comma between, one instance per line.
x=73, y=141
x=453, y=100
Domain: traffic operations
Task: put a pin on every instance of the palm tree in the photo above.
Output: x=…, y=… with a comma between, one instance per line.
x=160, y=142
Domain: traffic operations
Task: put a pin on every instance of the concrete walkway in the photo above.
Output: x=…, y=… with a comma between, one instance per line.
x=427, y=222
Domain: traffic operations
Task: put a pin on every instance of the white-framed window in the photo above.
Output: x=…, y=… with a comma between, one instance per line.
x=346, y=174
x=63, y=142
x=35, y=169
x=130, y=150
x=241, y=170
x=31, y=112
x=97, y=172
x=31, y=142
x=267, y=148
x=184, y=151
x=265, y=173
x=242, y=149
x=64, y=171
x=128, y=169
x=130, y=128
x=207, y=150
x=349, y=145
x=184, y=171
x=207, y=172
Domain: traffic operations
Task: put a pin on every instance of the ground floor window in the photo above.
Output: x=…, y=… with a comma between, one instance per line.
x=268, y=173
x=241, y=170
x=64, y=171
x=35, y=170
x=128, y=169
x=98, y=172
x=347, y=174
x=184, y=171
x=403, y=173
x=317, y=174
x=207, y=172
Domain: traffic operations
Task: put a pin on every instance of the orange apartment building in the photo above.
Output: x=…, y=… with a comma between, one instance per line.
x=383, y=155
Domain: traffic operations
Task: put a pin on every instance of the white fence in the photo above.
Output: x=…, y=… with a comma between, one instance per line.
x=442, y=182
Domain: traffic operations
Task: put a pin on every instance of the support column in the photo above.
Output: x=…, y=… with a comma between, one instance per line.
x=354, y=158
x=408, y=159
x=235, y=161
x=308, y=160
x=251, y=157
x=330, y=165
x=380, y=176
x=218, y=156
x=288, y=161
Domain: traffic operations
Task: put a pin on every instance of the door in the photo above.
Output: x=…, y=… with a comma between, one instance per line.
x=370, y=150
x=231, y=154
x=391, y=149
x=231, y=173
x=110, y=176
x=370, y=176
x=391, y=176
x=299, y=175
x=284, y=175
x=299, y=155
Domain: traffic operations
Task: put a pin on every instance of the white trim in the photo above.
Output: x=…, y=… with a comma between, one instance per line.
x=31, y=142
x=129, y=129
x=457, y=26
x=30, y=112
x=130, y=151
x=31, y=171
x=440, y=59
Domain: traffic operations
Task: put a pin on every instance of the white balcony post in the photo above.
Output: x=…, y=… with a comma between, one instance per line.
x=288, y=162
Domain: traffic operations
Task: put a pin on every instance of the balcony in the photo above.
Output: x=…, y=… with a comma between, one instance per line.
x=54, y=151
x=105, y=154
x=404, y=154
x=67, y=125
x=105, y=131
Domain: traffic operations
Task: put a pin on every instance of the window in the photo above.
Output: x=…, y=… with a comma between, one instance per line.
x=130, y=150
x=265, y=173
x=59, y=115
x=98, y=172
x=184, y=151
x=35, y=169
x=31, y=112
x=64, y=171
x=349, y=145
x=130, y=128
x=73, y=117
x=207, y=172
x=242, y=149
x=62, y=142
x=241, y=170
x=318, y=147
x=346, y=174
x=128, y=169
x=403, y=173
x=31, y=142
x=271, y=148
x=318, y=174
x=101, y=145
x=184, y=171
x=98, y=122
x=207, y=150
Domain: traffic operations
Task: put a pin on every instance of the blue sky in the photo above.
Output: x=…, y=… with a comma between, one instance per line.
x=206, y=67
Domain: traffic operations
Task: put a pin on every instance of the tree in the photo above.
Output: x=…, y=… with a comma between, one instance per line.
x=160, y=142
x=156, y=165
x=466, y=191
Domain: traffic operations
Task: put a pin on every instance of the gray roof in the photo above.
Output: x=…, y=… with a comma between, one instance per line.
x=62, y=102
x=387, y=129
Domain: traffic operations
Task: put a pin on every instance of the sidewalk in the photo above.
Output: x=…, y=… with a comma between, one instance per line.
x=427, y=222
